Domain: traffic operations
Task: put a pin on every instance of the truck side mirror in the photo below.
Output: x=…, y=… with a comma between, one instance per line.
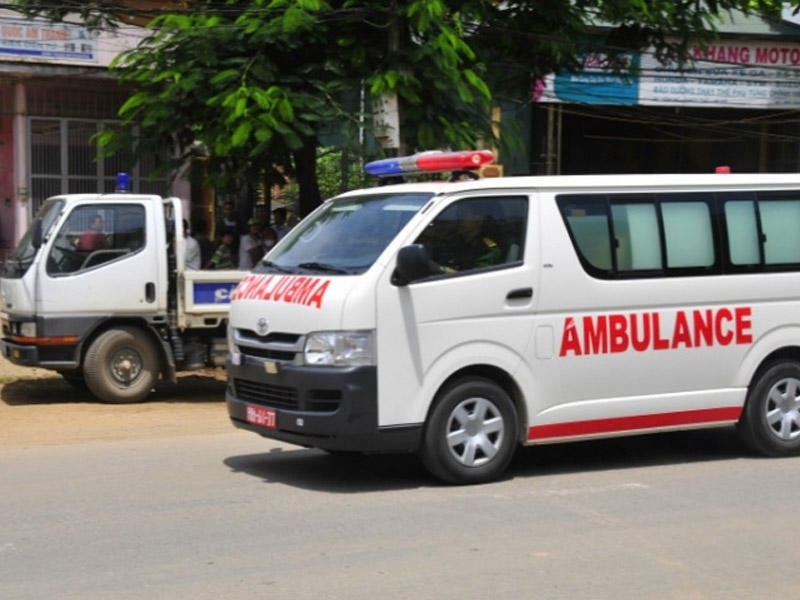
x=36, y=238
x=412, y=264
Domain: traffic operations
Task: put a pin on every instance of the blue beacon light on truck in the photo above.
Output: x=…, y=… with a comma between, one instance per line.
x=123, y=183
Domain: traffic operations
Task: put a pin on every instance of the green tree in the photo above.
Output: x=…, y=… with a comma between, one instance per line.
x=256, y=81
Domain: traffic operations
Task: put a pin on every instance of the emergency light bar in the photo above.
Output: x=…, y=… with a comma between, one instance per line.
x=429, y=162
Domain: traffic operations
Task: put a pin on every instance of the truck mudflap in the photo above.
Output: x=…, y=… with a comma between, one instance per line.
x=328, y=408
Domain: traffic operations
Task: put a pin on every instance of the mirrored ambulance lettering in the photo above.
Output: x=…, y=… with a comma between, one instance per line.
x=309, y=291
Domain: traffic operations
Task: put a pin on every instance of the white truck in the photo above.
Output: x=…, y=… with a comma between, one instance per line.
x=96, y=290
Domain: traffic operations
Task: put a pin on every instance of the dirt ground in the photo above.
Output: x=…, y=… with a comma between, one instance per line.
x=37, y=407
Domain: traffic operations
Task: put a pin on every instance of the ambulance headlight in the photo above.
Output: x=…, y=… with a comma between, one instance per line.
x=340, y=348
x=233, y=349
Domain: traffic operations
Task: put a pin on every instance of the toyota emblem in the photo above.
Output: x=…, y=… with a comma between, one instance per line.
x=262, y=326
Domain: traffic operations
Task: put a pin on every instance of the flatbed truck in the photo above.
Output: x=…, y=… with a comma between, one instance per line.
x=96, y=290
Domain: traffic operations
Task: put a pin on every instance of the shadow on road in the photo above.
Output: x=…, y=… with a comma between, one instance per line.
x=316, y=470
x=337, y=473
x=630, y=452
x=205, y=387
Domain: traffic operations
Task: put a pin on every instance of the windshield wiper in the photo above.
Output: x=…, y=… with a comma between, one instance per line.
x=272, y=265
x=316, y=266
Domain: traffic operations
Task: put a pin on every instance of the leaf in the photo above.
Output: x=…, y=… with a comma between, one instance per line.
x=241, y=134
x=225, y=76
x=240, y=108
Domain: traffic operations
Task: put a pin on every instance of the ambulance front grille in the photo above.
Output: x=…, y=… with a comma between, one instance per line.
x=267, y=353
x=274, y=396
x=283, y=397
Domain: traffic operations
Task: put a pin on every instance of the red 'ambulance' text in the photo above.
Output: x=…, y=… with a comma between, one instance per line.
x=605, y=334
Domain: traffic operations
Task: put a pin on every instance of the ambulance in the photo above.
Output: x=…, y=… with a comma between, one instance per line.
x=460, y=320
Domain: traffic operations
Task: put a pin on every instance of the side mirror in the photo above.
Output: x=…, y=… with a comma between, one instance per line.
x=36, y=238
x=412, y=264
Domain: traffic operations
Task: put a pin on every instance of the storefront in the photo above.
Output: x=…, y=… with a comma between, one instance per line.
x=738, y=105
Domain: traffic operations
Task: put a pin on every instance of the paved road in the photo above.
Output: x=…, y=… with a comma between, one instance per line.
x=165, y=500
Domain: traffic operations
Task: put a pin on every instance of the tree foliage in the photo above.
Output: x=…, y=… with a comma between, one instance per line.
x=255, y=82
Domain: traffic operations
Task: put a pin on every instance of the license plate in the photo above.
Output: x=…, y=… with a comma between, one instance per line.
x=258, y=415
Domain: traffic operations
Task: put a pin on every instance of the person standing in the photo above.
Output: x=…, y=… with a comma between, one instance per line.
x=229, y=222
x=200, y=233
x=251, y=247
x=223, y=255
x=191, y=250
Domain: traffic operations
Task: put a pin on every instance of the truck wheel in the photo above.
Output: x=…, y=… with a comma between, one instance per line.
x=121, y=366
x=471, y=433
x=770, y=422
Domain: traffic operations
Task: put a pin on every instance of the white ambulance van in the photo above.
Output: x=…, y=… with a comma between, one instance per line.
x=461, y=320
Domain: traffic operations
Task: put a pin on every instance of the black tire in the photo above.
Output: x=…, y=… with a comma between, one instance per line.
x=471, y=433
x=121, y=366
x=770, y=422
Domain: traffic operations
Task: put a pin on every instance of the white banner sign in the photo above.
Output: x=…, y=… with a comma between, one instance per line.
x=46, y=41
x=731, y=73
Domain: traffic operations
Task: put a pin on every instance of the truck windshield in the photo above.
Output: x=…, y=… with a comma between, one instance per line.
x=345, y=235
x=21, y=258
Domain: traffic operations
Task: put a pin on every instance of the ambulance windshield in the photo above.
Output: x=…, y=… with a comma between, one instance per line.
x=345, y=235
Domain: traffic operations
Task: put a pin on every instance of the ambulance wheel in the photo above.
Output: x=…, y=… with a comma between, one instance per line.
x=121, y=366
x=471, y=433
x=770, y=422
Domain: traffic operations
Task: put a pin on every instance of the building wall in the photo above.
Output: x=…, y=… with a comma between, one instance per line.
x=6, y=178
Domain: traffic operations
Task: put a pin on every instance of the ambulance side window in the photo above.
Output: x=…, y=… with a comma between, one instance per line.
x=477, y=233
x=94, y=235
x=642, y=235
x=779, y=224
x=762, y=230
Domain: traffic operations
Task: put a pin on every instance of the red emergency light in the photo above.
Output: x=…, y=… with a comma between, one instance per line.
x=430, y=162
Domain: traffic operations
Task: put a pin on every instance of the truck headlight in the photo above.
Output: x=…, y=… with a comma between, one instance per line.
x=340, y=348
x=27, y=329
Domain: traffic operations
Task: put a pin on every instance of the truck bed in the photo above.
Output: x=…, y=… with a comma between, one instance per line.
x=205, y=297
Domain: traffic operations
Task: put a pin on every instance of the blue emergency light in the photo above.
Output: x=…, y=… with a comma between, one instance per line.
x=123, y=183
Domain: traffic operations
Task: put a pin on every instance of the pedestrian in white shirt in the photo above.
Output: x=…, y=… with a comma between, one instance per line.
x=191, y=251
x=251, y=248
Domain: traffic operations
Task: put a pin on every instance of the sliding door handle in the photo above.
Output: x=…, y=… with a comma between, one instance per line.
x=520, y=293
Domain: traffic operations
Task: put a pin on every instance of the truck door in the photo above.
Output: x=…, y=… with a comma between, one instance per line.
x=104, y=259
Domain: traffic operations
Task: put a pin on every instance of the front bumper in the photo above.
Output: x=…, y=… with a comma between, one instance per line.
x=27, y=356
x=320, y=407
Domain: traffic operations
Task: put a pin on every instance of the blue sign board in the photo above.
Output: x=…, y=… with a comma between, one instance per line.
x=213, y=292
